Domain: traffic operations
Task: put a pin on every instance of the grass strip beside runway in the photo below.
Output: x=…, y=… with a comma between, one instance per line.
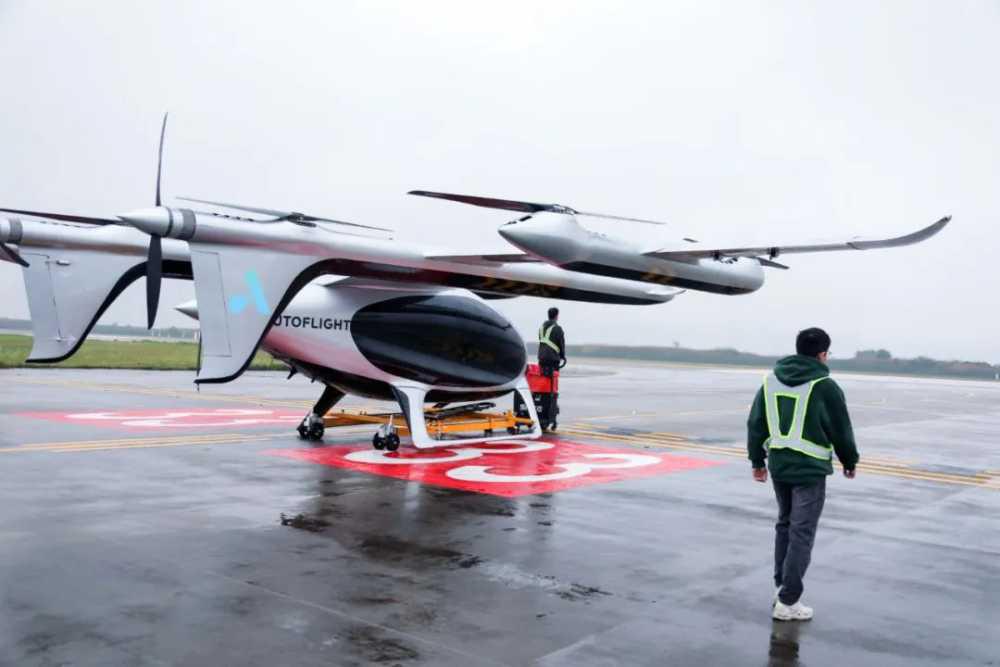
x=121, y=354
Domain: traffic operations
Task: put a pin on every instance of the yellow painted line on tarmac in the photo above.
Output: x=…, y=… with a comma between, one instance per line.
x=150, y=445
x=243, y=399
x=678, y=443
x=141, y=443
x=41, y=446
x=674, y=441
x=634, y=415
x=171, y=393
x=132, y=443
x=741, y=452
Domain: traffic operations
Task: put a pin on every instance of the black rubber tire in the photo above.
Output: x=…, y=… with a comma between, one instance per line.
x=512, y=430
x=303, y=431
x=392, y=442
x=378, y=442
x=316, y=432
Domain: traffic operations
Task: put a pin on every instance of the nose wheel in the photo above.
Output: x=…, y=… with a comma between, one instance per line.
x=389, y=443
x=386, y=437
x=311, y=428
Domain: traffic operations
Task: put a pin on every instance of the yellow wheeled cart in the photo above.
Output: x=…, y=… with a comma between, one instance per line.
x=442, y=423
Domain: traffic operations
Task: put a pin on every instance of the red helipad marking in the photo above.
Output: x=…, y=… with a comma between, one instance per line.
x=503, y=469
x=180, y=418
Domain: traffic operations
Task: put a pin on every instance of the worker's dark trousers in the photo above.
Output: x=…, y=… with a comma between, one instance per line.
x=799, y=508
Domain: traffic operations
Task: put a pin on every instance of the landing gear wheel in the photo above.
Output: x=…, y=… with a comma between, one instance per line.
x=315, y=431
x=303, y=431
x=392, y=442
x=512, y=430
x=378, y=442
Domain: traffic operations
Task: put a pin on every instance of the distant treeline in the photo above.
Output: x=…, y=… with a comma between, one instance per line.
x=864, y=361
x=177, y=333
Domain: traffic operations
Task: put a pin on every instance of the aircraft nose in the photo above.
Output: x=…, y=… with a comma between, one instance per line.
x=515, y=234
x=157, y=221
x=552, y=244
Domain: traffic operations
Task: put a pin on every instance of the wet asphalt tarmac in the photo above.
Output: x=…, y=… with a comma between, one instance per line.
x=139, y=526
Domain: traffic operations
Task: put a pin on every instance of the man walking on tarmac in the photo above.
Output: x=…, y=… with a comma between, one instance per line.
x=798, y=421
x=551, y=344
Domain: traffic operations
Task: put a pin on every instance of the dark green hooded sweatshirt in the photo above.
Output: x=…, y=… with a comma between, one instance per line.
x=827, y=423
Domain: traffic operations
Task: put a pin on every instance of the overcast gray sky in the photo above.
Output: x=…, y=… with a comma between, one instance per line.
x=733, y=121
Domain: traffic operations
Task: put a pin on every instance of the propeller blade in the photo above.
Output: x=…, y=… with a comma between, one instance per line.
x=490, y=202
x=249, y=209
x=159, y=159
x=764, y=261
x=620, y=217
x=64, y=217
x=12, y=254
x=290, y=216
x=524, y=206
x=154, y=275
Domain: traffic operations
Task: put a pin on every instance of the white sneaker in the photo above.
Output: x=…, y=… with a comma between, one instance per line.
x=791, y=612
x=774, y=600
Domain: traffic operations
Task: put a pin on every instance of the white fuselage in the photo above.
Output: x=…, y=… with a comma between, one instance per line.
x=559, y=239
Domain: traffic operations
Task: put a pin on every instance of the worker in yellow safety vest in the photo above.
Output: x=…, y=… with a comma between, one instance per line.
x=551, y=344
x=798, y=422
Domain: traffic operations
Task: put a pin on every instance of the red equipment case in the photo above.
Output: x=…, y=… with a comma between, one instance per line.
x=545, y=396
x=540, y=384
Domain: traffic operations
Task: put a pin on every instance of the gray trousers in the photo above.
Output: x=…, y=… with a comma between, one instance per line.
x=799, y=508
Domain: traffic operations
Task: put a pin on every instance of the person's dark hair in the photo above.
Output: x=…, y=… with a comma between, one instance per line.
x=811, y=342
x=553, y=313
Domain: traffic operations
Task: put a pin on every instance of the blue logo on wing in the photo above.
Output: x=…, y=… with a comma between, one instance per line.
x=239, y=302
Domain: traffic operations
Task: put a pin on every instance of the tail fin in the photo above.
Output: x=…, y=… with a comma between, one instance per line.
x=68, y=290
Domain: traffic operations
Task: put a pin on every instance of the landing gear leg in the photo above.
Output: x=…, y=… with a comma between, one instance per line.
x=312, y=427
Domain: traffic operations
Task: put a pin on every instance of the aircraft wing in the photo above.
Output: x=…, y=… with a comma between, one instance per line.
x=772, y=251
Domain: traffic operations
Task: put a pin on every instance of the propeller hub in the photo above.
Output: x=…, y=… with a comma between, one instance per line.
x=5, y=231
x=189, y=308
x=156, y=221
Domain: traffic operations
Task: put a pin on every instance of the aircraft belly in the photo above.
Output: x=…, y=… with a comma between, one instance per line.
x=738, y=276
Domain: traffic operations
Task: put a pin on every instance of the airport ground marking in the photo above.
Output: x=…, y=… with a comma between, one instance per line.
x=673, y=441
x=508, y=468
x=985, y=479
x=633, y=415
x=134, y=443
x=172, y=393
x=243, y=399
x=140, y=443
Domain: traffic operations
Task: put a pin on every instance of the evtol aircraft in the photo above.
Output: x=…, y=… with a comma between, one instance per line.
x=346, y=305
